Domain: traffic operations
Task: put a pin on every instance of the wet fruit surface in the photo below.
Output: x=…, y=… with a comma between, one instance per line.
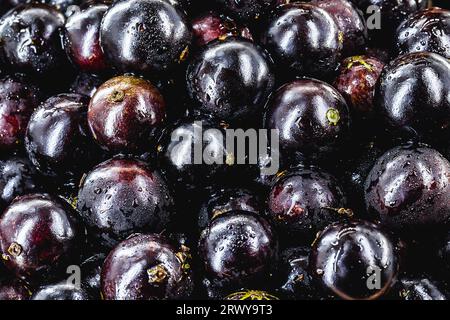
x=146, y=267
x=124, y=113
x=230, y=79
x=315, y=42
x=30, y=39
x=312, y=117
x=345, y=255
x=409, y=187
x=120, y=197
x=412, y=95
x=17, y=101
x=82, y=38
x=237, y=249
x=303, y=201
x=40, y=235
x=145, y=36
x=60, y=291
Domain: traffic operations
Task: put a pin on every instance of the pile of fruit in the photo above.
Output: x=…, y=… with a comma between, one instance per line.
x=111, y=112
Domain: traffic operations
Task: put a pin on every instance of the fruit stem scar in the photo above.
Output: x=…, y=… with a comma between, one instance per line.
x=15, y=249
x=157, y=274
x=117, y=96
x=333, y=116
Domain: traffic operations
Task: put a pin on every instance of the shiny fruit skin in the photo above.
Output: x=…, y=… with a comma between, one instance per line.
x=304, y=54
x=356, y=81
x=409, y=187
x=350, y=22
x=57, y=137
x=312, y=117
x=238, y=249
x=249, y=10
x=219, y=86
x=17, y=102
x=225, y=200
x=135, y=37
x=40, y=235
x=146, y=267
x=60, y=291
x=17, y=178
x=120, y=197
x=411, y=95
x=124, y=114
x=417, y=289
x=31, y=41
x=304, y=201
x=82, y=38
x=91, y=269
x=342, y=255
x=391, y=14
x=426, y=30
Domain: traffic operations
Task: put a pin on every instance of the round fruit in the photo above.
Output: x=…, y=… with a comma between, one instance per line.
x=238, y=249
x=350, y=22
x=145, y=36
x=30, y=39
x=248, y=10
x=60, y=291
x=356, y=82
x=147, y=267
x=305, y=39
x=412, y=94
x=17, y=102
x=120, y=197
x=226, y=200
x=354, y=260
x=40, y=235
x=124, y=114
x=426, y=30
x=230, y=80
x=304, y=201
x=409, y=186
x=17, y=178
x=57, y=140
x=82, y=38
x=312, y=117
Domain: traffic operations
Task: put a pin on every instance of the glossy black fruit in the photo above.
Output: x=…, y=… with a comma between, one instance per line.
x=31, y=41
x=356, y=82
x=412, y=94
x=91, y=269
x=354, y=260
x=238, y=249
x=351, y=23
x=304, y=39
x=125, y=113
x=17, y=102
x=120, y=197
x=225, y=200
x=248, y=10
x=409, y=186
x=147, y=267
x=312, y=117
x=303, y=201
x=230, y=79
x=86, y=84
x=384, y=16
x=60, y=291
x=426, y=30
x=145, y=36
x=82, y=38
x=58, y=140
x=40, y=235
x=419, y=289
x=17, y=178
